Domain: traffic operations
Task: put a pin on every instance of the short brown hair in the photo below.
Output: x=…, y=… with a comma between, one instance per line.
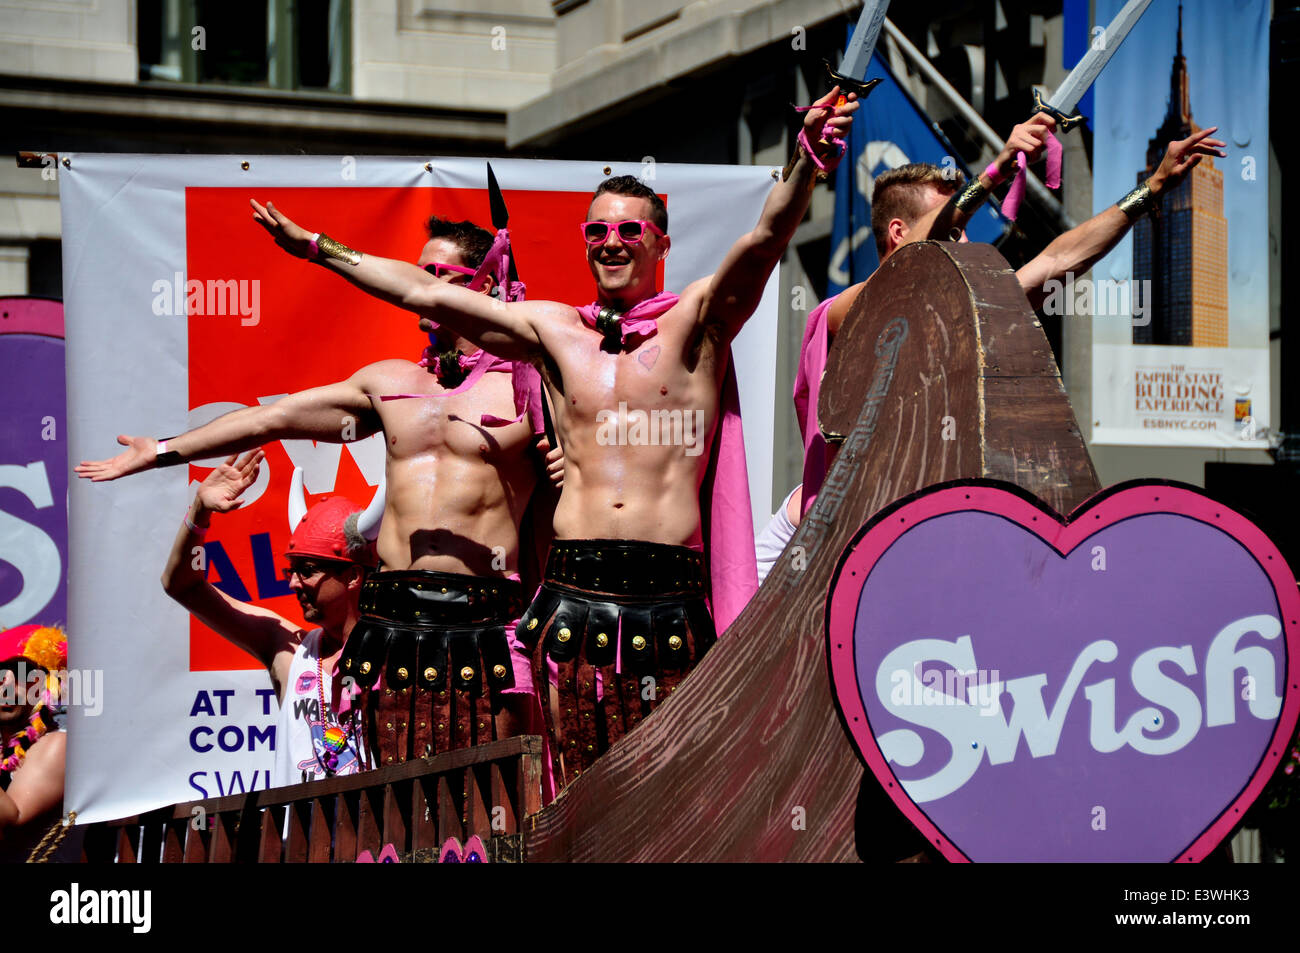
x=900, y=193
x=633, y=187
x=473, y=240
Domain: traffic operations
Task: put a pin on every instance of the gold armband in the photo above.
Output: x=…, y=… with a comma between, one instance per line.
x=972, y=197
x=1138, y=202
x=329, y=248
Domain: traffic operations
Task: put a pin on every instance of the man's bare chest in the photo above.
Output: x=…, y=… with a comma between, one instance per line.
x=655, y=373
x=426, y=420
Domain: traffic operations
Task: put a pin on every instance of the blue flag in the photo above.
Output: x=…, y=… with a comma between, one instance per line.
x=889, y=130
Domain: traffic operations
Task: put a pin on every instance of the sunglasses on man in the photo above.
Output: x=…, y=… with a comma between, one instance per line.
x=630, y=231
x=440, y=269
x=308, y=569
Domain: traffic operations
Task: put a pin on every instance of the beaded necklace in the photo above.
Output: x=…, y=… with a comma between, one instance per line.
x=334, y=737
x=20, y=742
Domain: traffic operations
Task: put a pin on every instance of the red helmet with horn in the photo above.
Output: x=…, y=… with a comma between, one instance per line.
x=329, y=530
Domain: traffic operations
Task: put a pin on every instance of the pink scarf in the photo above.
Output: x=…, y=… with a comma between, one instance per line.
x=641, y=320
x=525, y=378
x=807, y=390
x=727, y=522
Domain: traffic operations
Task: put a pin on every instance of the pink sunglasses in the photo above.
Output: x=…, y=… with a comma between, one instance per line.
x=441, y=269
x=632, y=230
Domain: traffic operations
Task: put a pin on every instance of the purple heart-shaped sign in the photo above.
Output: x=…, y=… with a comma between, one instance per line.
x=1117, y=686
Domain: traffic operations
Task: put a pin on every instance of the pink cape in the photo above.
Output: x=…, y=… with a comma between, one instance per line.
x=726, y=520
x=807, y=390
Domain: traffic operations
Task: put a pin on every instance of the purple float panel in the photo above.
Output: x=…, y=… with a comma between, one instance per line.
x=1118, y=687
x=33, y=463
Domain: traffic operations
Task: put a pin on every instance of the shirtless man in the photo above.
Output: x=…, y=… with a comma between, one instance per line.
x=622, y=614
x=915, y=203
x=460, y=472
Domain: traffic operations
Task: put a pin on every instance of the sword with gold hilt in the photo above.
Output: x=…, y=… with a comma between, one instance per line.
x=850, y=77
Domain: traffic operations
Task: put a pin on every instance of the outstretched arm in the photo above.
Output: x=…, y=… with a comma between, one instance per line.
x=320, y=413
x=268, y=637
x=506, y=330
x=732, y=293
x=1080, y=248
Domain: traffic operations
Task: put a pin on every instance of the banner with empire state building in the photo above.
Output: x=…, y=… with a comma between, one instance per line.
x=1180, y=306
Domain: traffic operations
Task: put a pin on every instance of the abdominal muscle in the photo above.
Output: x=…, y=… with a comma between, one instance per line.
x=451, y=514
x=649, y=493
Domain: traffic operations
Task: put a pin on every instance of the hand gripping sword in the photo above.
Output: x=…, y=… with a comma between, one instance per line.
x=1060, y=105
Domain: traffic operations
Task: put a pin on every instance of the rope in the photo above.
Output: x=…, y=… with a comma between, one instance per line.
x=42, y=852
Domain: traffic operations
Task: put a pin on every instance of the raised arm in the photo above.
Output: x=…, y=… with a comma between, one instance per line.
x=320, y=413
x=1080, y=248
x=942, y=223
x=506, y=330
x=733, y=292
x=268, y=637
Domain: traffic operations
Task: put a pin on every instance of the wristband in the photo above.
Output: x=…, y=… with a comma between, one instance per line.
x=164, y=457
x=996, y=176
x=194, y=527
x=1138, y=202
x=313, y=247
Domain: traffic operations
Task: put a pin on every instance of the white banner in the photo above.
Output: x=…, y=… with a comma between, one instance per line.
x=183, y=715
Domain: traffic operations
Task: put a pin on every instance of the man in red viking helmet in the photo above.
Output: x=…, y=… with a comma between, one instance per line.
x=318, y=733
x=32, y=740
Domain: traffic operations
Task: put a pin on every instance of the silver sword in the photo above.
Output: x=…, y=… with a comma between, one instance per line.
x=1060, y=105
x=857, y=57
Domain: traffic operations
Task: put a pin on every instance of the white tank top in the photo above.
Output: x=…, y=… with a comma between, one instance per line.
x=300, y=753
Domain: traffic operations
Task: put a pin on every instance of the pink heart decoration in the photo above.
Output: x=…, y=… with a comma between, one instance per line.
x=1115, y=686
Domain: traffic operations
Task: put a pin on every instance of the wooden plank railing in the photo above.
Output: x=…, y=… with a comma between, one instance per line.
x=487, y=790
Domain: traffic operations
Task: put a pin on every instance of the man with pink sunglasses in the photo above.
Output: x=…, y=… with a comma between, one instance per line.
x=621, y=617
x=464, y=460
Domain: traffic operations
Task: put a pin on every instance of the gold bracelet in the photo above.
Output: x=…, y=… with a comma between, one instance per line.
x=330, y=248
x=1138, y=202
x=972, y=197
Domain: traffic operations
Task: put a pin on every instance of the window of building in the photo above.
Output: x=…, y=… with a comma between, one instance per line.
x=273, y=44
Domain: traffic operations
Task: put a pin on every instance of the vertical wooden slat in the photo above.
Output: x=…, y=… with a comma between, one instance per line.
x=223, y=837
x=449, y=822
x=270, y=845
x=174, y=840
x=478, y=797
x=397, y=805
x=529, y=777
x=370, y=811
x=197, y=842
x=345, y=827
x=322, y=831
x=295, y=845
x=502, y=795
x=424, y=801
